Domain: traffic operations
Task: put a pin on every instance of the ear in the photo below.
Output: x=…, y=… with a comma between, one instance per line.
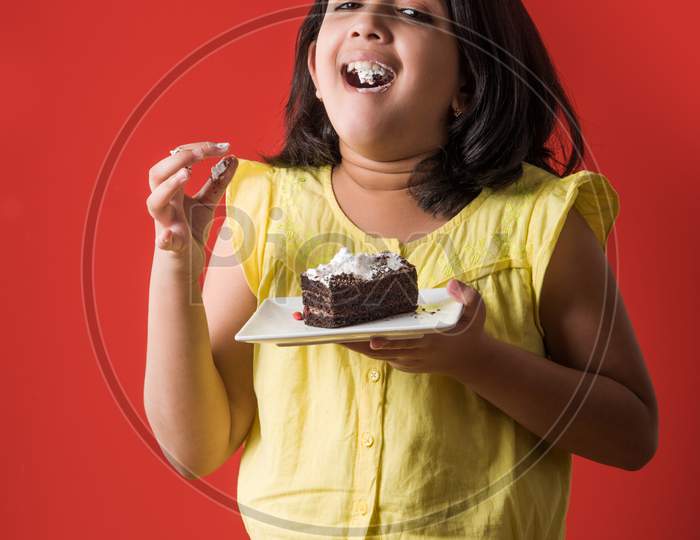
x=461, y=99
x=311, y=63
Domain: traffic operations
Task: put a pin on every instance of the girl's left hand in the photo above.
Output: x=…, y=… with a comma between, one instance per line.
x=444, y=352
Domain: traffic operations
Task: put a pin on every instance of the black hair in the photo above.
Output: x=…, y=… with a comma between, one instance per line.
x=518, y=111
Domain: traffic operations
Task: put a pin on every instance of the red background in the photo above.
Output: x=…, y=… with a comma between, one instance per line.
x=72, y=74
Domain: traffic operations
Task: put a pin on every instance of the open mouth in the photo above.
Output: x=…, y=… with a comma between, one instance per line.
x=368, y=76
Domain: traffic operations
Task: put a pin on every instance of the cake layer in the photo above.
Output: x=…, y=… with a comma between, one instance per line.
x=352, y=317
x=334, y=311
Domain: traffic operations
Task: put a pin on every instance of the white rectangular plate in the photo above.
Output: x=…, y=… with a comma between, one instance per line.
x=273, y=322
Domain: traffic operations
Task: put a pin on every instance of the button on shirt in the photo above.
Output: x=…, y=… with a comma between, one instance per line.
x=344, y=445
x=374, y=375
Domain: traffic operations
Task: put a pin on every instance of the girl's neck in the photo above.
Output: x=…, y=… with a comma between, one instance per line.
x=377, y=176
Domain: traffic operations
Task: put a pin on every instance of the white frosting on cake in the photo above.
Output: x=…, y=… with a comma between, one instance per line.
x=362, y=265
x=218, y=169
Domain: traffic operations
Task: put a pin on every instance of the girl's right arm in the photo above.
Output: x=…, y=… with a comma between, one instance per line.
x=198, y=393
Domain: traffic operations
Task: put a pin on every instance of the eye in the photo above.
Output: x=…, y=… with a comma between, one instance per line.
x=340, y=6
x=417, y=15
x=410, y=12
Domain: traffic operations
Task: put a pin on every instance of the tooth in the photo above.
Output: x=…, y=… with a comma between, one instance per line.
x=366, y=66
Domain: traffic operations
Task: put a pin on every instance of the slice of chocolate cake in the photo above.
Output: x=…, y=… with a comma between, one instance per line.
x=353, y=289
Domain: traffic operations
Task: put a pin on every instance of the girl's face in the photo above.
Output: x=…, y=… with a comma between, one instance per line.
x=410, y=117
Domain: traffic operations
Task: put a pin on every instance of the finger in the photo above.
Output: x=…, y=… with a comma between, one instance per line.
x=466, y=295
x=355, y=346
x=472, y=304
x=400, y=366
x=363, y=348
x=183, y=156
x=396, y=354
x=159, y=200
x=379, y=343
x=214, y=188
x=201, y=150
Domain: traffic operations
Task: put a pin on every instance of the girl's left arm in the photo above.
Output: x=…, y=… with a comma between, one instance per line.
x=596, y=372
x=592, y=397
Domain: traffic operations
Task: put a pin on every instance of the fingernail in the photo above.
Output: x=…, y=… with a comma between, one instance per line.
x=377, y=343
x=222, y=146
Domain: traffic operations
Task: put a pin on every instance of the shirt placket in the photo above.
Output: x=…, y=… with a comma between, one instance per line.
x=369, y=439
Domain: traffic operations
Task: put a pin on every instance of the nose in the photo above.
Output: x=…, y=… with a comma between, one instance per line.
x=371, y=24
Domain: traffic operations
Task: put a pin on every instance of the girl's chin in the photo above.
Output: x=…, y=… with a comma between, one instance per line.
x=368, y=134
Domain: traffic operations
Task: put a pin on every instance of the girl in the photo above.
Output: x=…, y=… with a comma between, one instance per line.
x=428, y=128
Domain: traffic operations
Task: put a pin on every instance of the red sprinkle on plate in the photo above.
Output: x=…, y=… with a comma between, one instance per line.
x=297, y=315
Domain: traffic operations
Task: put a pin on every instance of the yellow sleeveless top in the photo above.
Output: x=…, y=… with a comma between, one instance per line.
x=346, y=446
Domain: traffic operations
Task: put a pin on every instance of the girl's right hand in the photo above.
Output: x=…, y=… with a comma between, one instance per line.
x=183, y=223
